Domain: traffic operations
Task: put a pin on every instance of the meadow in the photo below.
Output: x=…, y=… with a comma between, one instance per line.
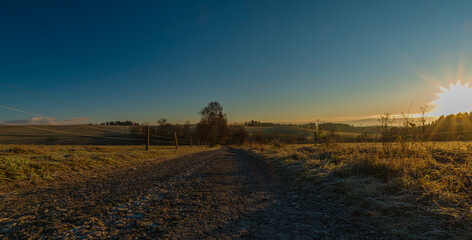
x=420, y=189
x=299, y=134
x=66, y=134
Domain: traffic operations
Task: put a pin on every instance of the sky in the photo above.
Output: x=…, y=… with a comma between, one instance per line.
x=273, y=61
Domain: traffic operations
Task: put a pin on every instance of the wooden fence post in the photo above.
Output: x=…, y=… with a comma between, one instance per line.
x=147, y=138
x=314, y=138
x=190, y=141
x=176, y=141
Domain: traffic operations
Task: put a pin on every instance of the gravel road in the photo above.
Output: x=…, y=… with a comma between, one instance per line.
x=220, y=194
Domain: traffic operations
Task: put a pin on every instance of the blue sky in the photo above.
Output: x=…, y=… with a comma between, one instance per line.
x=282, y=61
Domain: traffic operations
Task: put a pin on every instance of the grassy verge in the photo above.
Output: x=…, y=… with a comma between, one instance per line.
x=419, y=190
x=29, y=165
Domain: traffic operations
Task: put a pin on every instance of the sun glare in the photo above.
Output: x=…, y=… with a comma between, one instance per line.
x=457, y=98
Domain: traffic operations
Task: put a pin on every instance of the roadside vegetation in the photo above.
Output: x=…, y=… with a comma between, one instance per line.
x=30, y=165
x=422, y=190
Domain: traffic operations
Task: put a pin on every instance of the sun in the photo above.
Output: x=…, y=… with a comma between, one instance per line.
x=457, y=98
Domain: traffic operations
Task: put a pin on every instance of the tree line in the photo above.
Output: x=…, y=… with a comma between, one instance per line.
x=119, y=123
x=450, y=127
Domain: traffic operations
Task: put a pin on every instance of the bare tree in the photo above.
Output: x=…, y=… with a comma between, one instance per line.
x=408, y=123
x=213, y=125
x=162, y=121
x=385, y=121
x=424, y=111
x=239, y=134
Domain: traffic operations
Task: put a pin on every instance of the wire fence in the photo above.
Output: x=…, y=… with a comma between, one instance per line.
x=100, y=132
x=135, y=135
x=125, y=136
x=28, y=134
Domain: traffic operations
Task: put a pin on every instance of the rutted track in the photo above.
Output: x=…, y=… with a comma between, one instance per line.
x=216, y=194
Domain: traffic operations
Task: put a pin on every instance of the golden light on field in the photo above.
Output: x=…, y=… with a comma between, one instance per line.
x=454, y=99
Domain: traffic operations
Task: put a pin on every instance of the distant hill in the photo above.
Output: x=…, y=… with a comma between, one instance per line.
x=298, y=134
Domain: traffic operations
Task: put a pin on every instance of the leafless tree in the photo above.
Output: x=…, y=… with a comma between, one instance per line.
x=213, y=126
x=239, y=134
x=424, y=111
x=385, y=120
x=162, y=121
x=408, y=123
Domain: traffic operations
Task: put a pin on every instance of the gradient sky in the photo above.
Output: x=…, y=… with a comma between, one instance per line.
x=281, y=61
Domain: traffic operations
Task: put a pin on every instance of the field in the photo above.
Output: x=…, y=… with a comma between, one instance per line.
x=120, y=135
x=301, y=134
x=66, y=134
x=421, y=190
x=416, y=190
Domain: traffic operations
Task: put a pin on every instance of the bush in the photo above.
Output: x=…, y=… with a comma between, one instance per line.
x=239, y=135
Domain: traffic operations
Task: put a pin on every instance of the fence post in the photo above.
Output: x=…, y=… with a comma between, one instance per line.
x=147, y=138
x=176, y=141
x=190, y=141
x=314, y=138
x=198, y=142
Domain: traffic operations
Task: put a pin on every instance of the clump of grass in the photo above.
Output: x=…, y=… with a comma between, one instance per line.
x=29, y=165
x=25, y=149
x=423, y=184
x=276, y=143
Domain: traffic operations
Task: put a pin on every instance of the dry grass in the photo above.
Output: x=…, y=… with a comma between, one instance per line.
x=29, y=165
x=422, y=190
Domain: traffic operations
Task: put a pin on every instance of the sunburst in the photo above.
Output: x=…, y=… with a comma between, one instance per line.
x=457, y=98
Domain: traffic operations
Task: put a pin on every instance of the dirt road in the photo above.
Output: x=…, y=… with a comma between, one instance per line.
x=221, y=194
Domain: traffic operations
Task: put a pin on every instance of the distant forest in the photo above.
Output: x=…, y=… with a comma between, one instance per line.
x=338, y=127
x=120, y=123
x=451, y=127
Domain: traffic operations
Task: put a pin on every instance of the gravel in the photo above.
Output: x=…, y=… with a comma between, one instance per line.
x=220, y=194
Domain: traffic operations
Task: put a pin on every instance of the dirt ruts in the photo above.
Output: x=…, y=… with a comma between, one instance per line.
x=220, y=194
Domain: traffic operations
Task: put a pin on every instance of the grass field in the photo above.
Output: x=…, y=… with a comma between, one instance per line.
x=119, y=135
x=300, y=133
x=421, y=189
x=59, y=134
x=29, y=165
